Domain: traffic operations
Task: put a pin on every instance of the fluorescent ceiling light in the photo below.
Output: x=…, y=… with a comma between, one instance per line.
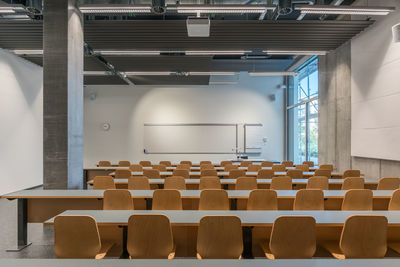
x=149, y=73
x=10, y=9
x=111, y=9
x=127, y=52
x=344, y=10
x=273, y=73
x=223, y=9
x=226, y=73
x=97, y=73
x=224, y=52
x=295, y=52
x=27, y=52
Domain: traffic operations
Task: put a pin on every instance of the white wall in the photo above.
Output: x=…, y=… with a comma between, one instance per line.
x=375, y=89
x=21, y=123
x=128, y=108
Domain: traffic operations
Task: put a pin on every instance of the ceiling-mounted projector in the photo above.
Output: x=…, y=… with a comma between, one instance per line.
x=198, y=26
x=396, y=33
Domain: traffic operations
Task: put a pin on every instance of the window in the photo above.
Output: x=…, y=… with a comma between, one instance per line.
x=302, y=113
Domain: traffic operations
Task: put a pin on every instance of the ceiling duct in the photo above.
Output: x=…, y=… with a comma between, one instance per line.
x=285, y=7
x=158, y=7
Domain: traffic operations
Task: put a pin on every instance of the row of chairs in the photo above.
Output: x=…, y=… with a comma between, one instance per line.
x=220, y=237
x=259, y=199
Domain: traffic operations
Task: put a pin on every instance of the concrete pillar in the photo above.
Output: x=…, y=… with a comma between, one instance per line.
x=62, y=95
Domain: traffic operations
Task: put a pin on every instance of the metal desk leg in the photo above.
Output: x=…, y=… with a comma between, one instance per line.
x=22, y=226
x=125, y=253
x=247, y=242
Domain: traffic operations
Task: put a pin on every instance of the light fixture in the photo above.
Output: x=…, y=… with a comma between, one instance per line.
x=223, y=9
x=10, y=9
x=296, y=52
x=344, y=10
x=396, y=33
x=215, y=52
x=97, y=73
x=149, y=73
x=128, y=52
x=27, y=52
x=273, y=73
x=111, y=9
x=217, y=73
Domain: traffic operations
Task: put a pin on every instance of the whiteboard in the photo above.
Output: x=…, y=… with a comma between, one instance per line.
x=190, y=138
x=253, y=138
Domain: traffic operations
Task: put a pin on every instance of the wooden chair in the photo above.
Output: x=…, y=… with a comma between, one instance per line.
x=160, y=167
x=225, y=162
x=230, y=167
x=123, y=173
x=278, y=168
x=206, y=167
x=77, y=236
x=267, y=164
x=124, y=163
x=136, y=168
x=295, y=174
x=309, y=163
x=183, y=167
x=363, y=236
x=150, y=237
x=281, y=183
x=353, y=183
x=287, y=163
x=253, y=168
x=167, y=199
x=186, y=162
x=318, y=182
x=246, y=183
x=138, y=183
x=326, y=167
x=309, y=199
x=292, y=237
x=175, y=182
x=387, y=183
x=219, y=237
x=394, y=203
x=303, y=167
x=214, y=199
x=351, y=173
x=326, y=173
x=205, y=162
x=265, y=174
x=145, y=163
x=152, y=174
x=104, y=163
x=357, y=199
x=245, y=163
x=166, y=163
x=208, y=173
x=181, y=172
x=103, y=183
x=233, y=174
x=262, y=199
x=117, y=199
x=209, y=182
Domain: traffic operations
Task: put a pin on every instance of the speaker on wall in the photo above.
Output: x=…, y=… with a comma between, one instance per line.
x=396, y=33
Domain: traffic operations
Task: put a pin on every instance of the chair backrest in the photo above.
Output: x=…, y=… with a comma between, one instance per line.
x=295, y=174
x=206, y=167
x=138, y=183
x=122, y=173
x=389, y=183
x=309, y=163
x=233, y=174
x=353, y=183
x=351, y=173
x=326, y=173
x=281, y=183
x=278, y=168
x=181, y=172
x=186, y=162
x=205, y=162
x=309, y=199
x=160, y=167
x=166, y=163
x=394, y=203
x=209, y=182
x=117, y=199
x=245, y=163
x=175, y=182
x=136, y=168
x=293, y=237
x=214, y=199
x=124, y=163
x=230, y=167
x=183, y=167
x=208, y=173
x=267, y=164
x=262, y=199
x=76, y=236
x=149, y=236
x=225, y=162
x=104, y=163
x=145, y=163
x=253, y=168
x=246, y=183
x=152, y=174
x=318, y=182
x=287, y=163
x=364, y=236
x=167, y=199
x=103, y=183
x=220, y=237
x=357, y=199
x=303, y=167
x=326, y=167
x=265, y=174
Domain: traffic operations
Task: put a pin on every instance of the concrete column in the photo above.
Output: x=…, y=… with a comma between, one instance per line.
x=62, y=95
